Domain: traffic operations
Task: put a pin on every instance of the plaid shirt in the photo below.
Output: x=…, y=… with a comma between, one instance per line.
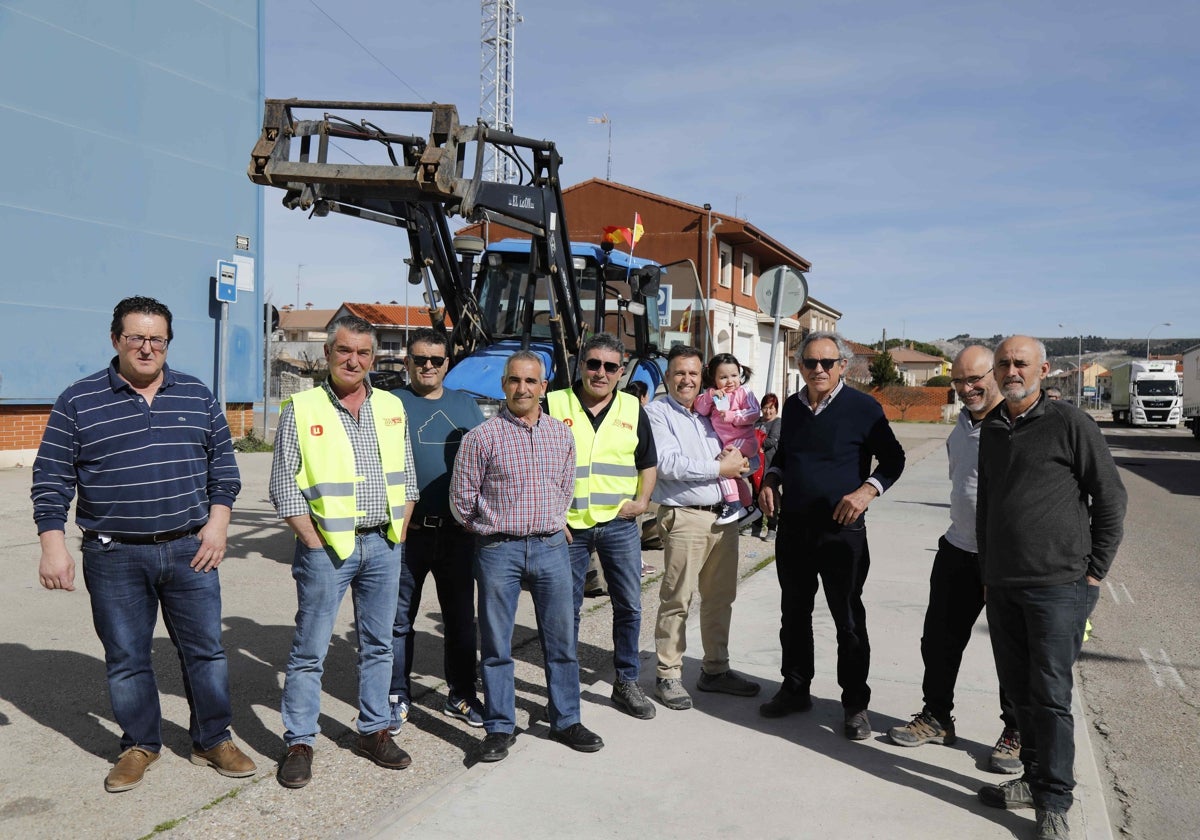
x=370, y=494
x=512, y=478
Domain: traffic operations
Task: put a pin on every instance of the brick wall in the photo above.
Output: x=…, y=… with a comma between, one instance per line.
x=241, y=419
x=913, y=403
x=22, y=426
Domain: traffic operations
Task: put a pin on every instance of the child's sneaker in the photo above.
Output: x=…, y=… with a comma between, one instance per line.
x=730, y=512
x=748, y=515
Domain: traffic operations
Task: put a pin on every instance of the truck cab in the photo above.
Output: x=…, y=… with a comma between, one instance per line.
x=1147, y=393
x=614, y=293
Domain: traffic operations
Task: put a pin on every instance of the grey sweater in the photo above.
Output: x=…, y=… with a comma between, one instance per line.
x=1034, y=523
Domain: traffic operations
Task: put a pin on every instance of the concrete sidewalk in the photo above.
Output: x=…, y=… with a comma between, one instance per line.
x=718, y=770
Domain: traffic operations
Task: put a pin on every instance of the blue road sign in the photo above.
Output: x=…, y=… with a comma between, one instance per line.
x=226, y=291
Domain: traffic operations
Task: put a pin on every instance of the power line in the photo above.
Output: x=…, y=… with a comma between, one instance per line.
x=420, y=97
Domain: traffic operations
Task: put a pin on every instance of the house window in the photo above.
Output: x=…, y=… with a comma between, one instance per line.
x=747, y=275
x=725, y=278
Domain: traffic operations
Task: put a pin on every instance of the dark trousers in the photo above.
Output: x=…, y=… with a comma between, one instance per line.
x=955, y=601
x=1036, y=635
x=838, y=561
x=446, y=551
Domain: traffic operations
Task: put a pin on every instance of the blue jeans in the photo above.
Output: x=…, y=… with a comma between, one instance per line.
x=1037, y=632
x=372, y=573
x=619, y=545
x=542, y=564
x=446, y=552
x=126, y=584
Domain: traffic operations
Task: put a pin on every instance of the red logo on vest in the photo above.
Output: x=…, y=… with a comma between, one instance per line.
x=568, y=421
x=316, y=430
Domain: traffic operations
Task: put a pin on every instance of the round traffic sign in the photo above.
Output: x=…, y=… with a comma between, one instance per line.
x=781, y=291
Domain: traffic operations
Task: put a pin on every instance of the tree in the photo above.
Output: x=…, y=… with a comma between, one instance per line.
x=940, y=381
x=903, y=397
x=883, y=371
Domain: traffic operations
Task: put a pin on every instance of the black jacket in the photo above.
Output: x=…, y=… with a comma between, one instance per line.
x=1051, y=505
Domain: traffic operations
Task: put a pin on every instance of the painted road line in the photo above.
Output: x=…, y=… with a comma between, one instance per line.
x=1161, y=669
x=1112, y=590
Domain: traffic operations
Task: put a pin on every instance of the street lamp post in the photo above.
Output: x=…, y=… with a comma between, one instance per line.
x=605, y=120
x=1078, y=371
x=1152, y=329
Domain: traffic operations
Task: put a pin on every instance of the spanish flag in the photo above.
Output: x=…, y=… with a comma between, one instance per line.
x=637, y=229
x=617, y=235
x=685, y=320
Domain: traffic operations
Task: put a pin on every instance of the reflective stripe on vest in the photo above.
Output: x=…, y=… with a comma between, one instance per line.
x=605, y=476
x=327, y=476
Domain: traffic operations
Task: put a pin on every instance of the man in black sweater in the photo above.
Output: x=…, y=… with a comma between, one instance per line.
x=829, y=435
x=1050, y=516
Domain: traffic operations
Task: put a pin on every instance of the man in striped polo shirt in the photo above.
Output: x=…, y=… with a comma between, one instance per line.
x=147, y=450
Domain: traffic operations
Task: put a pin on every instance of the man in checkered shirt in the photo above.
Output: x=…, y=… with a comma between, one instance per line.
x=513, y=481
x=343, y=480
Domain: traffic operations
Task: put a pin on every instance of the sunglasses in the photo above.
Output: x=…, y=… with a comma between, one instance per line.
x=595, y=365
x=420, y=361
x=811, y=364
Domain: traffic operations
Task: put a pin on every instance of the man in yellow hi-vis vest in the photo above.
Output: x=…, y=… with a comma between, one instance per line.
x=615, y=469
x=342, y=478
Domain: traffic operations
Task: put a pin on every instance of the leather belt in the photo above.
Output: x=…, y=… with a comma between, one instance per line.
x=143, y=539
x=370, y=529
x=432, y=522
x=706, y=508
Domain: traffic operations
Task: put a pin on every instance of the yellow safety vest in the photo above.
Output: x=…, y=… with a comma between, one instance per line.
x=327, y=472
x=605, y=475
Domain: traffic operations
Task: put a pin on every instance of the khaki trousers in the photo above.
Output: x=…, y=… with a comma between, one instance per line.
x=702, y=556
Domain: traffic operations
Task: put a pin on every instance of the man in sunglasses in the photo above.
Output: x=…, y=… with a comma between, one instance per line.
x=438, y=417
x=955, y=587
x=148, y=452
x=829, y=435
x=615, y=471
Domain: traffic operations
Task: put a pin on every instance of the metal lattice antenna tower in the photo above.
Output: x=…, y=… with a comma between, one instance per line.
x=496, y=80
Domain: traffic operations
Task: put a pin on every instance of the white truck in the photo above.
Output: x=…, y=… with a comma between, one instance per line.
x=1146, y=393
x=1191, y=389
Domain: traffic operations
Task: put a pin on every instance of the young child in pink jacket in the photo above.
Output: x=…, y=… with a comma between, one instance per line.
x=733, y=410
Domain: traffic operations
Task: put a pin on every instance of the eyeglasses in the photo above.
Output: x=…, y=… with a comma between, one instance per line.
x=421, y=361
x=136, y=342
x=595, y=364
x=811, y=364
x=970, y=381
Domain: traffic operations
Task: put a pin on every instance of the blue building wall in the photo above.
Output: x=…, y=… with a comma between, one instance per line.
x=126, y=128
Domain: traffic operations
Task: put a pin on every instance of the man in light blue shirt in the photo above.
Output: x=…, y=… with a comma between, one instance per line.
x=698, y=554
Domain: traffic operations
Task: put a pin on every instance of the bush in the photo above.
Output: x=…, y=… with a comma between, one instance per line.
x=941, y=381
x=252, y=443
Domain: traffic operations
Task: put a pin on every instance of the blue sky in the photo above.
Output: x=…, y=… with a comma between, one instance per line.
x=982, y=167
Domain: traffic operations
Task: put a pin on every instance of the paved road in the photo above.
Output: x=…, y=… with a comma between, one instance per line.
x=1141, y=671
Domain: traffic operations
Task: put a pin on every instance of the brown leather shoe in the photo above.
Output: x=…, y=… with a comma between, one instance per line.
x=226, y=759
x=295, y=771
x=380, y=748
x=130, y=769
